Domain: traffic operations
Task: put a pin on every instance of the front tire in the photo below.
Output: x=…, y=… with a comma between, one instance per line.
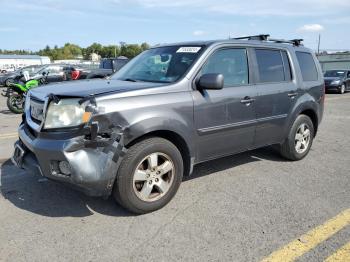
x=15, y=103
x=149, y=175
x=342, y=89
x=9, y=82
x=298, y=143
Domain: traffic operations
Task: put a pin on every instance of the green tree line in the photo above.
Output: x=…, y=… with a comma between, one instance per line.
x=72, y=51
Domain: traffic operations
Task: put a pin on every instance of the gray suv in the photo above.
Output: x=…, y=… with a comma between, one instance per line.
x=136, y=134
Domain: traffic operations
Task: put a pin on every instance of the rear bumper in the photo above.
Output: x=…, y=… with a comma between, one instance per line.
x=92, y=169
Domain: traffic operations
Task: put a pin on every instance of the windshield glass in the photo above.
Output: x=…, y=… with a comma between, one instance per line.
x=162, y=64
x=334, y=73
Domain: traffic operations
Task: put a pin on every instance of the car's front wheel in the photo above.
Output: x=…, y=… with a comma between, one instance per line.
x=298, y=143
x=149, y=175
x=342, y=89
x=9, y=82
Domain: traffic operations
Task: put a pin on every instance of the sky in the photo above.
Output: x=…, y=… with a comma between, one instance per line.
x=33, y=24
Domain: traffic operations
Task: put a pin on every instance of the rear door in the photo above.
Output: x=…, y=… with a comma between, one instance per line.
x=225, y=123
x=277, y=93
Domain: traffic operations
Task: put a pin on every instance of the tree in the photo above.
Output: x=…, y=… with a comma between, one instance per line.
x=144, y=46
x=72, y=51
x=110, y=51
x=130, y=50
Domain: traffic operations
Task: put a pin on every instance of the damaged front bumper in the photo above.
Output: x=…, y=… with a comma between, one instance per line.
x=89, y=166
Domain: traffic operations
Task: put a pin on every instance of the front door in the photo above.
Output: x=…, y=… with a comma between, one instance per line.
x=225, y=119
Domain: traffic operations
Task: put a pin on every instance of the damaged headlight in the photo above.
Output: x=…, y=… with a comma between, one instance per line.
x=66, y=113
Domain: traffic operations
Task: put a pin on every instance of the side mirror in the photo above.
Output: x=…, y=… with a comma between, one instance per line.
x=211, y=81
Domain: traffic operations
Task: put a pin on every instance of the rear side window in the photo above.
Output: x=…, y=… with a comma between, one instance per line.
x=287, y=69
x=307, y=66
x=270, y=65
x=232, y=63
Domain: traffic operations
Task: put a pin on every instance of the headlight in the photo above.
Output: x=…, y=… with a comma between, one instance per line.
x=335, y=82
x=66, y=113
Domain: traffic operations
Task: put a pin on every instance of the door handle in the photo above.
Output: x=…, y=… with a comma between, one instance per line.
x=292, y=94
x=247, y=100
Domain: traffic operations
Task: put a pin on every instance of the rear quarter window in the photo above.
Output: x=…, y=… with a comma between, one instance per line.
x=307, y=66
x=287, y=69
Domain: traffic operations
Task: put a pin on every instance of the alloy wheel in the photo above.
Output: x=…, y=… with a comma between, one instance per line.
x=302, y=138
x=153, y=177
x=342, y=89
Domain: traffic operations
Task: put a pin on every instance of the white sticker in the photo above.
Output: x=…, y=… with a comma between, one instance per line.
x=188, y=49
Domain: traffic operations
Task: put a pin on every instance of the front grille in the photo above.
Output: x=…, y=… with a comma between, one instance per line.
x=36, y=110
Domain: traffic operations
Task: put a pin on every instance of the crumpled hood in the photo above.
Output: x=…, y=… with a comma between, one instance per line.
x=84, y=88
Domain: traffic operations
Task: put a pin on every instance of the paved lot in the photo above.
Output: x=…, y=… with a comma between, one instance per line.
x=8, y=125
x=239, y=208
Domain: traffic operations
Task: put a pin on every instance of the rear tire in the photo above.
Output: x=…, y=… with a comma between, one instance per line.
x=142, y=183
x=299, y=141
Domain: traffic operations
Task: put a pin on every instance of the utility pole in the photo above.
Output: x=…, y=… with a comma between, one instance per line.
x=319, y=42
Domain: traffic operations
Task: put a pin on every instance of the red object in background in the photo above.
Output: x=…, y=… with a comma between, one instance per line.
x=75, y=74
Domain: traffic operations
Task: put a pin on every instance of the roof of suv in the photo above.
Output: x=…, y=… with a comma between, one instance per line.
x=238, y=42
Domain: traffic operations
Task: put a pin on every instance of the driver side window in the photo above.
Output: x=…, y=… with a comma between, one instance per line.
x=231, y=63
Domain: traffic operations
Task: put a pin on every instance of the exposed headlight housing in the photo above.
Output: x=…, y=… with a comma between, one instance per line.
x=66, y=113
x=335, y=82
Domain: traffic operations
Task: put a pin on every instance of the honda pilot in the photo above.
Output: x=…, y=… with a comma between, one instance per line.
x=136, y=134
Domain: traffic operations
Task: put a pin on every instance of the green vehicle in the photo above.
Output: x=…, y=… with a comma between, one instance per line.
x=16, y=92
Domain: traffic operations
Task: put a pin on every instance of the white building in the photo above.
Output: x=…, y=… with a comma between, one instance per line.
x=12, y=62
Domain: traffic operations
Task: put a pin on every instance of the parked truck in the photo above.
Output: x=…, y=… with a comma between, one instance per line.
x=107, y=67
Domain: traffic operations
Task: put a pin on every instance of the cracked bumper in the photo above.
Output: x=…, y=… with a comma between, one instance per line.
x=92, y=169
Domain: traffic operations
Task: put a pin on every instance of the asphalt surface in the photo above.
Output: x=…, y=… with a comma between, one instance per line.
x=239, y=208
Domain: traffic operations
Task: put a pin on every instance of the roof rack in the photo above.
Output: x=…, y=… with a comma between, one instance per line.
x=266, y=37
x=254, y=37
x=296, y=42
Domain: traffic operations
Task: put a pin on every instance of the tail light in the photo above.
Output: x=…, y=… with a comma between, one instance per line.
x=75, y=74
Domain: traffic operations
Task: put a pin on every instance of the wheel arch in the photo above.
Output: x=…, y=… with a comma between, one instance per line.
x=174, y=137
x=313, y=116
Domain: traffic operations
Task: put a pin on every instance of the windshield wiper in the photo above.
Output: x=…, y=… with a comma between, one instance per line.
x=130, y=80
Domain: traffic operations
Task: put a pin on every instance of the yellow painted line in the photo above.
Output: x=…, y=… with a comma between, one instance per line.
x=341, y=255
x=8, y=136
x=311, y=239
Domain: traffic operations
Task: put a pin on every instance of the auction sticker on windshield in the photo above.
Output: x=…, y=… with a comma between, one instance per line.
x=188, y=49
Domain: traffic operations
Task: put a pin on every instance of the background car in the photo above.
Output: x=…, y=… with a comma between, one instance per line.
x=7, y=78
x=76, y=72
x=337, y=80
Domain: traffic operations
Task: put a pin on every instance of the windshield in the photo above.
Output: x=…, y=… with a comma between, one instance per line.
x=41, y=69
x=334, y=73
x=161, y=65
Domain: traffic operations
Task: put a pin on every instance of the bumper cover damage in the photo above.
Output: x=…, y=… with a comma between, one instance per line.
x=93, y=161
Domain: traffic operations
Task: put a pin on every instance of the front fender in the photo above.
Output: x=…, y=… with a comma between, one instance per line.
x=159, y=124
